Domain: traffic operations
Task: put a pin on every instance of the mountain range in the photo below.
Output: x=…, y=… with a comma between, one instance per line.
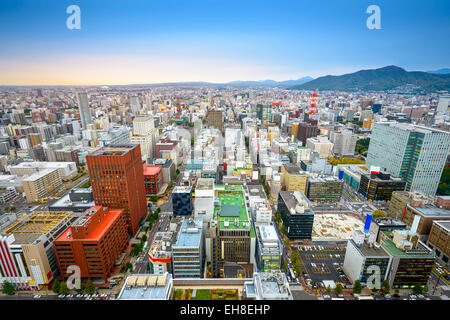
x=386, y=78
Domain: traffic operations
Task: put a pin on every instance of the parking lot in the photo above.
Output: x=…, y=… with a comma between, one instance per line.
x=323, y=262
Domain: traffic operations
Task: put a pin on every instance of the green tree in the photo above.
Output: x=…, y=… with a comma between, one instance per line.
x=287, y=242
x=177, y=171
x=338, y=289
x=56, y=285
x=385, y=287
x=8, y=288
x=328, y=289
x=283, y=229
x=63, y=289
x=154, y=198
x=90, y=288
x=426, y=289
x=144, y=237
x=417, y=289
x=378, y=213
x=357, y=288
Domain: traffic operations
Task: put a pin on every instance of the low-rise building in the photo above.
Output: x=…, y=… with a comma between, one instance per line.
x=41, y=184
x=439, y=240
x=324, y=189
x=147, y=287
x=268, y=286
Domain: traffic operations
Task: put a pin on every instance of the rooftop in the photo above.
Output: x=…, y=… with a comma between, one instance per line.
x=230, y=210
x=40, y=222
x=38, y=175
x=151, y=170
x=190, y=234
x=371, y=251
x=444, y=224
x=146, y=287
x=431, y=211
x=113, y=150
x=420, y=252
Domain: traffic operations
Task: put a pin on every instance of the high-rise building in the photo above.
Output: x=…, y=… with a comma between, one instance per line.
x=379, y=186
x=117, y=180
x=296, y=213
x=305, y=131
x=188, y=253
x=344, y=142
x=324, y=189
x=414, y=153
x=83, y=108
x=93, y=242
x=182, y=201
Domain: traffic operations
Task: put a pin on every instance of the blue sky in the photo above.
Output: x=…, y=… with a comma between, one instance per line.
x=174, y=40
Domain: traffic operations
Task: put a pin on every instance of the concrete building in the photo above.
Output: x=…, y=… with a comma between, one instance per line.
x=77, y=200
x=182, y=201
x=268, y=286
x=28, y=246
x=414, y=153
x=83, y=108
x=412, y=260
x=188, y=253
x=147, y=287
x=344, y=142
x=321, y=145
x=294, y=178
x=379, y=186
x=117, y=180
x=153, y=179
x=269, y=248
x=67, y=170
x=439, y=240
x=400, y=199
x=41, y=184
x=296, y=213
x=204, y=199
x=93, y=242
x=160, y=253
x=360, y=259
x=324, y=189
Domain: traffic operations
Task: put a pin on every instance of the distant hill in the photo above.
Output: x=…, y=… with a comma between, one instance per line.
x=270, y=83
x=441, y=71
x=386, y=78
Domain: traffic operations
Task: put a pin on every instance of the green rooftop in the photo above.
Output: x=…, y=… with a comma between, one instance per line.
x=231, y=206
x=390, y=247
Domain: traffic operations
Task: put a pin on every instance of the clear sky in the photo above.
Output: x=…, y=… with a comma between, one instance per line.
x=148, y=41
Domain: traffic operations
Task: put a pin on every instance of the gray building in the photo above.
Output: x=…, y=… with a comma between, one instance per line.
x=188, y=253
x=414, y=153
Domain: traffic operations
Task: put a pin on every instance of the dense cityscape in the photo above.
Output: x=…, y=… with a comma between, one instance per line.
x=216, y=159
x=222, y=192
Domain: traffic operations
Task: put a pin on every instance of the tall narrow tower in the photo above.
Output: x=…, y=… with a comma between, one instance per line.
x=83, y=107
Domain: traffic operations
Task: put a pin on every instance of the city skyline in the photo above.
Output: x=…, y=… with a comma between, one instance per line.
x=162, y=42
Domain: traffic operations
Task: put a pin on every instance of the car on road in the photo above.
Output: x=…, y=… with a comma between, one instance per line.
x=38, y=296
x=61, y=296
x=69, y=296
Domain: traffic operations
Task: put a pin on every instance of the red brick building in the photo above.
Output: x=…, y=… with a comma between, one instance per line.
x=93, y=242
x=164, y=144
x=153, y=179
x=117, y=181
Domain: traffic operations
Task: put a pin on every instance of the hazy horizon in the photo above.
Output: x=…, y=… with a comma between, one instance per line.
x=147, y=42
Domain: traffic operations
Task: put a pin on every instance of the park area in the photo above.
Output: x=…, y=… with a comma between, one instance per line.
x=206, y=294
